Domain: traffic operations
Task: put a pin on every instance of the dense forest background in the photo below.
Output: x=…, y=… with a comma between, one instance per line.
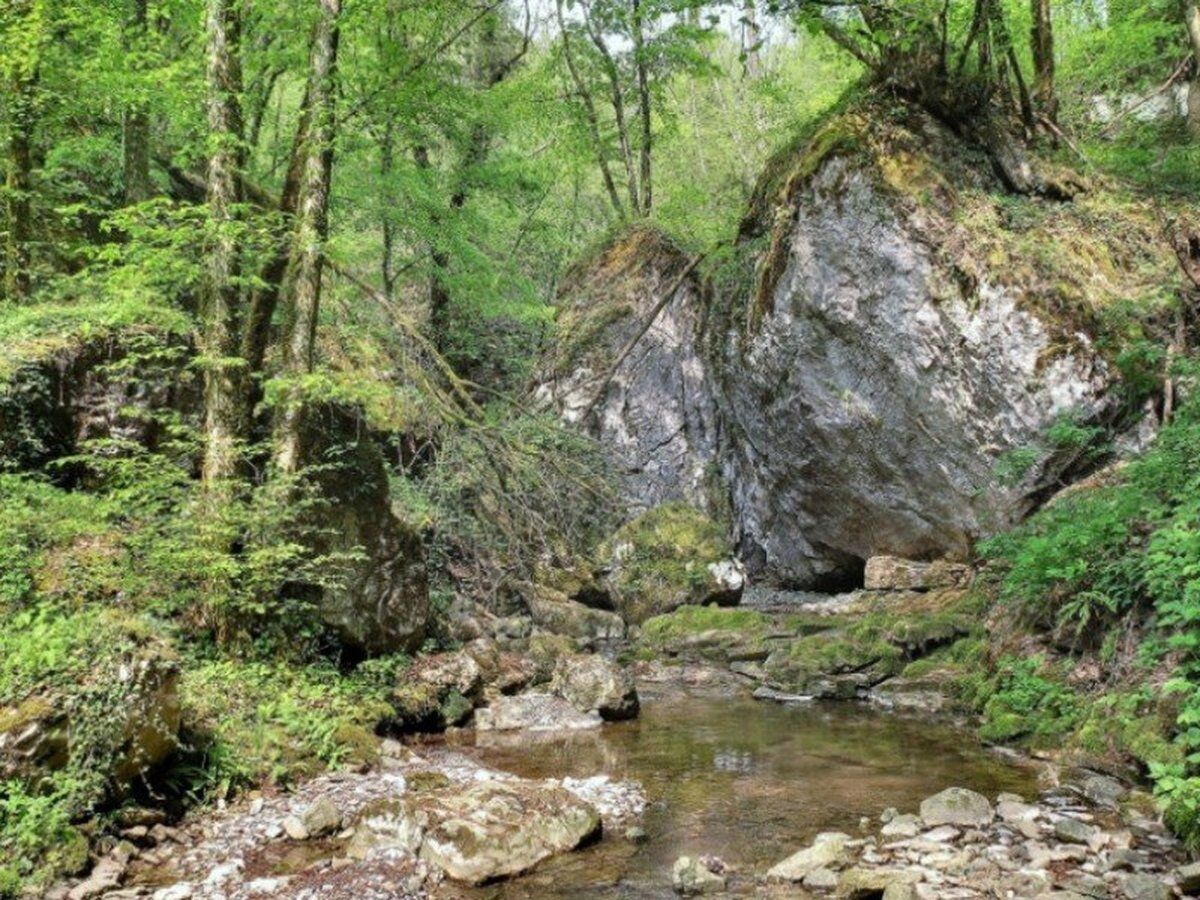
x=290, y=225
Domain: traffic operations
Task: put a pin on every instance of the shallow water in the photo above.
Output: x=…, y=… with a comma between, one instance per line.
x=749, y=782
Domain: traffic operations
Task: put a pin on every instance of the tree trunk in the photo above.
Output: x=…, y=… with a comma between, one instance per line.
x=265, y=298
x=387, y=161
x=617, y=98
x=1044, y=96
x=302, y=281
x=136, y=125
x=19, y=188
x=751, y=39
x=590, y=115
x=643, y=85
x=224, y=371
x=1192, y=12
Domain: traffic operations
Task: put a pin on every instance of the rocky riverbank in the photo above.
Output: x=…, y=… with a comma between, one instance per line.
x=1089, y=837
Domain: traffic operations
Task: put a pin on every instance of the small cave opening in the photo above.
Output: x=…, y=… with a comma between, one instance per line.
x=850, y=575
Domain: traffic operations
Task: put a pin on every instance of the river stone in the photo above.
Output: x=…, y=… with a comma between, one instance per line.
x=821, y=880
x=444, y=672
x=591, y=683
x=533, y=711
x=1102, y=790
x=904, y=826
x=957, y=806
x=322, y=818
x=800, y=865
x=691, y=877
x=480, y=832
x=1145, y=887
x=1072, y=831
x=1189, y=878
x=557, y=613
x=865, y=884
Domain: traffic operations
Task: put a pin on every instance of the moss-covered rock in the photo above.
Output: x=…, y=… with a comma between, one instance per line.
x=670, y=556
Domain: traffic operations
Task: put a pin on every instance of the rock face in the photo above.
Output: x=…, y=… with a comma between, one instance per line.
x=894, y=370
x=653, y=410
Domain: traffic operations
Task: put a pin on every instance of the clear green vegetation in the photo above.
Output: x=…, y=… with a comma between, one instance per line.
x=203, y=363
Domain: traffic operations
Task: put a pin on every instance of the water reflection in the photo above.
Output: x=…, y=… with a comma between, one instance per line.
x=749, y=782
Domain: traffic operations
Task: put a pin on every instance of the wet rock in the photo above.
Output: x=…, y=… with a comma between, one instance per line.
x=591, y=683
x=691, y=877
x=957, y=806
x=891, y=573
x=533, y=711
x=828, y=850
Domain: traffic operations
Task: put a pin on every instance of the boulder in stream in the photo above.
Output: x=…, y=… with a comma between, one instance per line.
x=481, y=832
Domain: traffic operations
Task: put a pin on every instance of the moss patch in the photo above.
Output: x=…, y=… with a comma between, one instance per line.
x=660, y=561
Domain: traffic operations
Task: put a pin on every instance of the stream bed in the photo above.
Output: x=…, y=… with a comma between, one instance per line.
x=746, y=781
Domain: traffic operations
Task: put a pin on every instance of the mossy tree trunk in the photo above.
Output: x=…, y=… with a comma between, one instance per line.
x=22, y=76
x=301, y=291
x=1042, y=42
x=225, y=374
x=136, y=125
x=1192, y=13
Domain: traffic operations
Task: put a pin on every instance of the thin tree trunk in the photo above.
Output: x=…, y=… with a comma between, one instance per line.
x=751, y=39
x=1044, y=96
x=136, y=125
x=265, y=298
x=302, y=282
x=590, y=115
x=1192, y=11
x=224, y=371
x=19, y=188
x=387, y=163
x=643, y=84
x=618, y=104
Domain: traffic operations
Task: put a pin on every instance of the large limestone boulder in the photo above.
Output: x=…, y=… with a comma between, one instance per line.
x=382, y=605
x=592, y=683
x=911, y=337
x=534, y=711
x=482, y=832
x=44, y=732
x=899, y=358
x=668, y=557
x=651, y=408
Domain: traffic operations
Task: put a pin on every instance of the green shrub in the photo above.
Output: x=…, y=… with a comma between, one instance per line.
x=1025, y=699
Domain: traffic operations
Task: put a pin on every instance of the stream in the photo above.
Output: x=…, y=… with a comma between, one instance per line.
x=746, y=781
